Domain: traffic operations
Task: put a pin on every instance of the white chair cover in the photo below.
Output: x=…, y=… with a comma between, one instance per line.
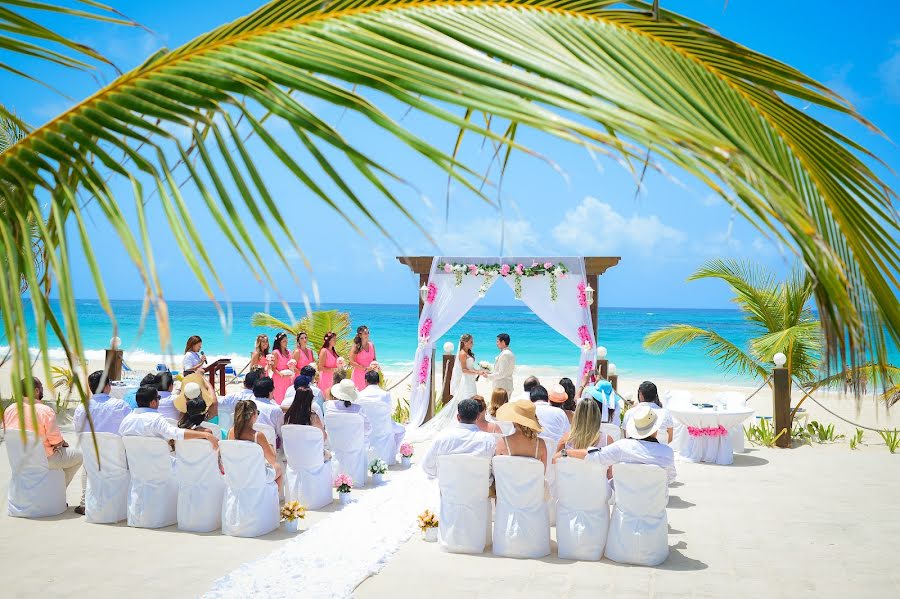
x=521, y=521
x=639, y=529
x=269, y=431
x=226, y=418
x=582, y=518
x=345, y=432
x=201, y=486
x=214, y=428
x=35, y=491
x=307, y=478
x=612, y=430
x=465, y=510
x=153, y=492
x=251, y=505
x=106, y=495
x=550, y=477
x=382, y=440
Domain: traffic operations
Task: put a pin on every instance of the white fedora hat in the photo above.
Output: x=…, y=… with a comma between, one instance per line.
x=345, y=390
x=643, y=422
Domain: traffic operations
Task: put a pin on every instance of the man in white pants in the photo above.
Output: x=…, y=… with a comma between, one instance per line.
x=504, y=365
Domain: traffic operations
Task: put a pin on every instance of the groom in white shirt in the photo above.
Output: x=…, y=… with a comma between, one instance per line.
x=502, y=376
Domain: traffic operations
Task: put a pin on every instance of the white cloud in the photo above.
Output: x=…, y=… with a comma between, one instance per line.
x=594, y=227
x=481, y=237
x=889, y=72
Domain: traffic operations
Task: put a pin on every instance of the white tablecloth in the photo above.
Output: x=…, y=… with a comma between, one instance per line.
x=120, y=391
x=716, y=450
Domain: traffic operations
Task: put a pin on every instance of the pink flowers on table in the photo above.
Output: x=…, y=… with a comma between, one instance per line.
x=343, y=483
x=425, y=331
x=504, y=270
x=432, y=292
x=709, y=431
x=423, y=370
x=448, y=268
x=406, y=450
x=582, y=295
x=584, y=335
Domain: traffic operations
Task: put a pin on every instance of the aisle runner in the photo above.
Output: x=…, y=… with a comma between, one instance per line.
x=335, y=555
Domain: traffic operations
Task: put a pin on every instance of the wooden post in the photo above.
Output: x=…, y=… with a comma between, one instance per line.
x=114, y=364
x=594, y=281
x=614, y=380
x=602, y=365
x=781, y=400
x=430, y=413
x=423, y=280
x=447, y=368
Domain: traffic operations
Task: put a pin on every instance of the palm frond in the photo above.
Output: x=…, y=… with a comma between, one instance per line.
x=315, y=324
x=754, y=288
x=883, y=377
x=801, y=343
x=728, y=356
x=609, y=77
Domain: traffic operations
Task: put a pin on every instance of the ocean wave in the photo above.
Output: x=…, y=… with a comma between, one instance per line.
x=137, y=356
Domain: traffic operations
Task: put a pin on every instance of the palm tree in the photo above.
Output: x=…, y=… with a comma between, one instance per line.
x=316, y=324
x=779, y=312
x=615, y=77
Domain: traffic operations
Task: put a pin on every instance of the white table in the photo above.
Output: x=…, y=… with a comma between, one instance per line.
x=714, y=450
x=120, y=391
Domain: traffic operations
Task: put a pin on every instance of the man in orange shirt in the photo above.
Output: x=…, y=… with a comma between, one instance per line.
x=59, y=455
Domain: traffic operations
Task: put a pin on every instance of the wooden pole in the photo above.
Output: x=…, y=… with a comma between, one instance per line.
x=602, y=365
x=614, y=380
x=114, y=364
x=781, y=399
x=447, y=368
x=594, y=281
x=423, y=280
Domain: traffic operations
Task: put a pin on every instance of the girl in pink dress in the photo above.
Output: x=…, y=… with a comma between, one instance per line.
x=302, y=354
x=283, y=371
x=260, y=356
x=328, y=361
x=361, y=356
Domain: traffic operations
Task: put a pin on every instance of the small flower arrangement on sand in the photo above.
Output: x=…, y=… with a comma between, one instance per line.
x=292, y=510
x=406, y=453
x=428, y=524
x=343, y=483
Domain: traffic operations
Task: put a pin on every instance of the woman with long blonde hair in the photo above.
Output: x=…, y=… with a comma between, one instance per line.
x=260, y=356
x=585, y=431
x=245, y=415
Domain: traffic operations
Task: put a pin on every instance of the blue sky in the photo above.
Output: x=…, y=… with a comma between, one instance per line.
x=583, y=207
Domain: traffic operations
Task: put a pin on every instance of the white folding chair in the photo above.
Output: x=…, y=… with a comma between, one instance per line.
x=307, y=478
x=267, y=430
x=35, y=491
x=226, y=418
x=550, y=477
x=346, y=435
x=106, y=495
x=612, y=430
x=465, y=510
x=521, y=521
x=201, y=486
x=582, y=517
x=153, y=491
x=382, y=440
x=250, y=507
x=639, y=529
x=214, y=428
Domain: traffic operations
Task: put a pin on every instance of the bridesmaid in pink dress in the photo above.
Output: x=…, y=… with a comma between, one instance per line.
x=302, y=354
x=328, y=361
x=361, y=356
x=260, y=356
x=283, y=364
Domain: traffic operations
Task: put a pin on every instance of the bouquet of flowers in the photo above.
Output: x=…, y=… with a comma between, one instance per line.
x=292, y=510
x=343, y=483
x=485, y=365
x=374, y=366
x=427, y=520
x=406, y=450
x=341, y=363
x=378, y=466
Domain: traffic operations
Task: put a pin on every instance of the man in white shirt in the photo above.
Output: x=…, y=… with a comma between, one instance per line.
x=648, y=396
x=372, y=392
x=165, y=383
x=504, y=365
x=641, y=447
x=106, y=412
x=463, y=439
x=269, y=412
x=228, y=402
x=554, y=421
x=346, y=399
x=146, y=421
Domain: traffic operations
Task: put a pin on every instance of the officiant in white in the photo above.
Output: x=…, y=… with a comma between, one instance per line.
x=504, y=365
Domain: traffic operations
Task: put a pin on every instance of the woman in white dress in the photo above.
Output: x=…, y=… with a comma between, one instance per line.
x=194, y=359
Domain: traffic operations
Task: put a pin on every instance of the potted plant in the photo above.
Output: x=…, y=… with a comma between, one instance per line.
x=428, y=524
x=406, y=454
x=344, y=484
x=291, y=514
x=378, y=467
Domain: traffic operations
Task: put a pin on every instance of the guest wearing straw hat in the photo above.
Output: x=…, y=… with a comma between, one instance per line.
x=524, y=440
x=346, y=400
x=641, y=446
x=146, y=421
x=559, y=398
x=648, y=396
x=193, y=403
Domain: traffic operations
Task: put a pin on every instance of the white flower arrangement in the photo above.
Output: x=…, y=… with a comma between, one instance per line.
x=378, y=466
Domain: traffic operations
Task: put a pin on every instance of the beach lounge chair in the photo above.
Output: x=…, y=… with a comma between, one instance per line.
x=465, y=510
x=153, y=492
x=345, y=432
x=307, y=478
x=639, y=528
x=250, y=507
x=201, y=486
x=106, y=495
x=582, y=517
x=521, y=521
x=35, y=491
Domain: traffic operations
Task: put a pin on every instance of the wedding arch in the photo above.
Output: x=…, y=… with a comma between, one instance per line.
x=557, y=289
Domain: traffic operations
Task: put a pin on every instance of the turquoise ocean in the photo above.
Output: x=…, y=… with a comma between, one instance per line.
x=394, y=331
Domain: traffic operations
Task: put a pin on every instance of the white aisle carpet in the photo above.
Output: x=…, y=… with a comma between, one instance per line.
x=331, y=558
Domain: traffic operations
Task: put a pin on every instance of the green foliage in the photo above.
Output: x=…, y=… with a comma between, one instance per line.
x=891, y=439
x=316, y=325
x=762, y=433
x=401, y=411
x=883, y=377
x=856, y=439
x=63, y=382
x=821, y=433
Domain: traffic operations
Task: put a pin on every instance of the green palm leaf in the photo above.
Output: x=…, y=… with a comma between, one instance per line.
x=728, y=356
x=614, y=79
x=315, y=324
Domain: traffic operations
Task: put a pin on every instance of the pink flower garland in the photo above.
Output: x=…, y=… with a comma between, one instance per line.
x=585, y=335
x=588, y=366
x=426, y=328
x=432, y=293
x=709, y=431
x=582, y=296
x=504, y=270
x=423, y=370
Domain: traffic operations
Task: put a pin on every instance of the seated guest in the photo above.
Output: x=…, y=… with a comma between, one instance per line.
x=481, y=421
x=524, y=441
x=648, y=396
x=346, y=400
x=229, y=401
x=146, y=421
x=465, y=439
x=585, y=431
x=554, y=421
x=59, y=455
x=302, y=409
x=269, y=412
x=604, y=393
x=165, y=382
x=193, y=405
x=558, y=397
x=569, y=405
x=498, y=398
x=372, y=392
x=300, y=381
x=641, y=447
x=529, y=384
x=106, y=412
x=310, y=371
x=246, y=412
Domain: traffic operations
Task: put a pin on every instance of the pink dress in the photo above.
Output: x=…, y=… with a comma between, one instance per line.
x=304, y=358
x=281, y=382
x=326, y=375
x=364, y=357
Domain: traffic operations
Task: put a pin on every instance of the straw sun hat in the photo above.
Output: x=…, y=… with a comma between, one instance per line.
x=521, y=412
x=193, y=386
x=345, y=391
x=644, y=422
